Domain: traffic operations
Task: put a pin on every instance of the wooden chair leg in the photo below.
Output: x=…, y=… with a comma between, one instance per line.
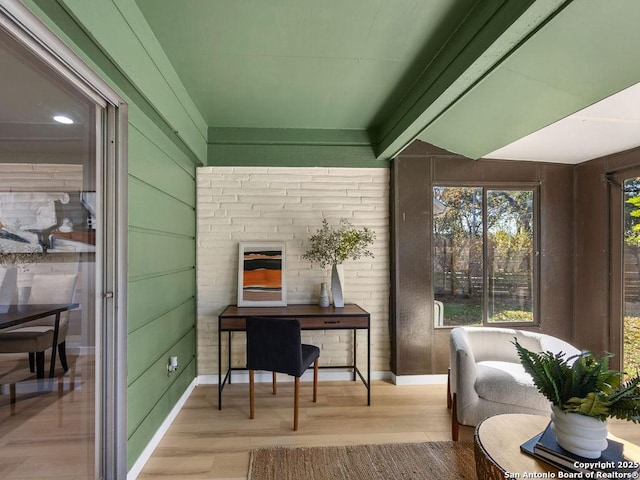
x=296, y=396
x=315, y=380
x=455, y=426
x=273, y=382
x=251, y=388
x=449, y=402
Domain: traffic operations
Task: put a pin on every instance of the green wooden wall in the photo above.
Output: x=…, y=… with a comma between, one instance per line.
x=162, y=306
x=166, y=141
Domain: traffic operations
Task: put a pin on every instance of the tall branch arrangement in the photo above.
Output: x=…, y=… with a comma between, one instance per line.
x=331, y=246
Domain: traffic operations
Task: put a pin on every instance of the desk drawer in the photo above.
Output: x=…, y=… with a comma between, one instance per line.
x=333, y=322
x=316, y=323
x=232, y=324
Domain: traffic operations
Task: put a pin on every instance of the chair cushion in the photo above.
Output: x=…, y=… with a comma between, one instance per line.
x=27, y=339
x=309, y=354
x=508, y=383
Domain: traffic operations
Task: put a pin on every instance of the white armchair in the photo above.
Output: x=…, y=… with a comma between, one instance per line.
x=486, y=377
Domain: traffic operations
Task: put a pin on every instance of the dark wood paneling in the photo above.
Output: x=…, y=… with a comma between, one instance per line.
x=412, y=308
x=592, y=257
x=483, y=171
x=556, y=250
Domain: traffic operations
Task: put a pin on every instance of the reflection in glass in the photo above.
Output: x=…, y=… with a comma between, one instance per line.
x=47, y=256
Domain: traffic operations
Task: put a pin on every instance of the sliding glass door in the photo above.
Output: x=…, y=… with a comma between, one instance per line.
x=59, y=264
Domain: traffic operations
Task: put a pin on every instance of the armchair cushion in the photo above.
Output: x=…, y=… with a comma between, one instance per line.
x=508, y=383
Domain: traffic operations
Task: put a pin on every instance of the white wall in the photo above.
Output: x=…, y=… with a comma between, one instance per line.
x=239, y=204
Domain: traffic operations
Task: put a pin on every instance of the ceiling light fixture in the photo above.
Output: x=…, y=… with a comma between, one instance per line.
x=63, y=119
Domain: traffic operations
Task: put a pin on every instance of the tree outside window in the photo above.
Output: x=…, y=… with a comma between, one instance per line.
x=483, y=261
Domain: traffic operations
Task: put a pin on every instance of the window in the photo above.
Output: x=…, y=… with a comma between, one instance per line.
x=484, y=266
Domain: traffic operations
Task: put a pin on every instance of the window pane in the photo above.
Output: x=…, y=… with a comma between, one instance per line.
x=510, y=255
x=457, y=255
x=631, y=345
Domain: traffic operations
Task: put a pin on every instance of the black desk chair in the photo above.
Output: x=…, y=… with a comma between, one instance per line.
x=274, y=345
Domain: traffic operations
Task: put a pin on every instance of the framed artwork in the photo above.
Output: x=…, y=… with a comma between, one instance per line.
x=262, y=274
x=46, y=222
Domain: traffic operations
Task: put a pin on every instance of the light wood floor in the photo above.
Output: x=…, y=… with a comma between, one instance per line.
x=205, y=443
x=48, y=432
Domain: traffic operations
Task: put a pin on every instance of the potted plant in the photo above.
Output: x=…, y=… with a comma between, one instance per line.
x=583, y=392
x=332, y=246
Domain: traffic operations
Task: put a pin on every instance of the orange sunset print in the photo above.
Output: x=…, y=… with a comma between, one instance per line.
x=262, y=275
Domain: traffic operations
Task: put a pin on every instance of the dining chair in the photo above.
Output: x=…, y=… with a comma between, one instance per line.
x=37, y=336
x=275, y=345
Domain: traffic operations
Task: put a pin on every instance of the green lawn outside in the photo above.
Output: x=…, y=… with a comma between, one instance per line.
x=631, y=345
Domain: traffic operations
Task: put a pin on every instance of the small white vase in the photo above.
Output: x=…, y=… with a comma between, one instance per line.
x=337, y=285
x=579, y=434
x=324, y=296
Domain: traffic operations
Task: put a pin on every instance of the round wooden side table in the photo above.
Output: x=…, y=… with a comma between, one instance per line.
x=497, y=443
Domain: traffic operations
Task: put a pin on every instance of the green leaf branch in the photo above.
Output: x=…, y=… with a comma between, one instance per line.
x=332, y=246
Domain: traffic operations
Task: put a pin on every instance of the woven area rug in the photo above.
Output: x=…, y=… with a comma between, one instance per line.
x=403, y=461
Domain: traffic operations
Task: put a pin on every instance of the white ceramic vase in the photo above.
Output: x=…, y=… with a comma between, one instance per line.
x=579, y=434
x=337, y=285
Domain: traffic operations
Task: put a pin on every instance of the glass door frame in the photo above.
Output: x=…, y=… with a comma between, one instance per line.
x=615, y=184
x=111, y=245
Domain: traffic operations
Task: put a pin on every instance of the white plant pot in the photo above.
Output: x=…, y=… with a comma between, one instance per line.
x=579, y=434
x=337, y=285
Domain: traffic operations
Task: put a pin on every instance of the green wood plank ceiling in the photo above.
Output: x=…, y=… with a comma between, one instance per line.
x=470, y=76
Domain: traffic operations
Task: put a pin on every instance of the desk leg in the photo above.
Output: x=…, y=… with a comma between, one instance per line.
x=219, y=367
x=369, y=365
x=355, y=353
x=56, y=328
x=229, y=359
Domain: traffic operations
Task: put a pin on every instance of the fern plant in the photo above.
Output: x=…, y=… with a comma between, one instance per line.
x=583, y=384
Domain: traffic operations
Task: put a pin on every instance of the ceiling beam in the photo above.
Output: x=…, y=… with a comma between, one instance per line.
x=489, y=33
x=570, y=63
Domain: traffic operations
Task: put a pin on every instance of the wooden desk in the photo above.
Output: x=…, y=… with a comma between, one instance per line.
x=21, y=314
x=311, y=317
x=497, y=443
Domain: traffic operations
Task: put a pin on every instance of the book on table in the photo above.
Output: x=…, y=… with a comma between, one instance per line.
x=544, y=446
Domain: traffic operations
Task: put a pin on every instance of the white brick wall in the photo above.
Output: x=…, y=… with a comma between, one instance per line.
x=40, y=177
x=237, y=204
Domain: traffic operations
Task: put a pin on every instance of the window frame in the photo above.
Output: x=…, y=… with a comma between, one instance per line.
x=535, y=284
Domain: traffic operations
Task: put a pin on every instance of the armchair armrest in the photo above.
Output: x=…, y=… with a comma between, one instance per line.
x=462, y=360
